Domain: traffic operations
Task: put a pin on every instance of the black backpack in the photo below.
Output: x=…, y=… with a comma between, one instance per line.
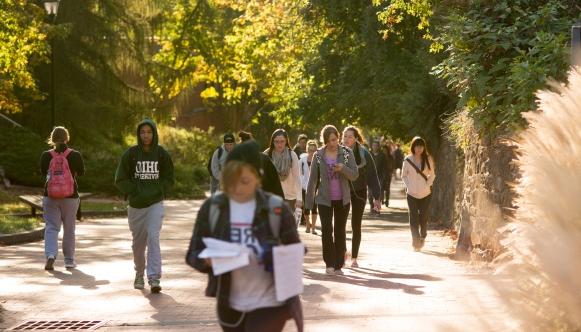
x=209, y=165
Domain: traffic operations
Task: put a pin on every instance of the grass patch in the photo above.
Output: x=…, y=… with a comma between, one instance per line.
x=11, y=225
x=10, y=204
x=14, y=208
x=103, y=206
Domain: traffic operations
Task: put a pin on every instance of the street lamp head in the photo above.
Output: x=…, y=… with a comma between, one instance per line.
x=51, y=7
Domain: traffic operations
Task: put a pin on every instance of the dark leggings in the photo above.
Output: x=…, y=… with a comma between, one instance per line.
x=385, y=188
x=419, y=213
x=263, y=319
x=358, y=202
x=334, y=249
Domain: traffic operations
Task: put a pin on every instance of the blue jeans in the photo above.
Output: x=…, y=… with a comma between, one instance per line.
x=57, y=212
x=145, y=225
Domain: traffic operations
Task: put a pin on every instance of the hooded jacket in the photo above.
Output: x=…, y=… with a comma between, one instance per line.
x=145, y=177
x=318, y=187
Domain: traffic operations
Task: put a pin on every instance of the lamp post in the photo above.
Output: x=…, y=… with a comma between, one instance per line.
x=52, y=8
x=576, y=44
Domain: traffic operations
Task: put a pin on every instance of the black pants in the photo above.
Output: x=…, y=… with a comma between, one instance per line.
x=334, y=249
x=385, y=188
x=263, y=319
x=358, y=202
x=419, y=209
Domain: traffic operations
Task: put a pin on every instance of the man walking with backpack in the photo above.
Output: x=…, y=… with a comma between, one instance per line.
x=145, y=176
x=218, y=160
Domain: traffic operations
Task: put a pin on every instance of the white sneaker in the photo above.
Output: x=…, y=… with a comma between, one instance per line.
x=339, y=272
x=330, y=271
x=70, y=264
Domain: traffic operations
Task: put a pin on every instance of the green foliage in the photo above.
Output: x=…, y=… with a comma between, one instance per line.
x=22, y=44
x=11, y=225
x=101, y=49
x=20, y=150
x=190, y=150
x=242, y=57
x=358, y=77
x=498, y=56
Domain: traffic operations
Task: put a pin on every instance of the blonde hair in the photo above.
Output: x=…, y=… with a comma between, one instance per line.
x=231, y=174
x=312, y=142
x=59, y=135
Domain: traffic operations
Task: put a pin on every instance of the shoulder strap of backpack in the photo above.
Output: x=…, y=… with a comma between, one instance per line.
x=214, y=213
x=417, y=169
x=274, y=211
x=67, y=152
x=220, y=151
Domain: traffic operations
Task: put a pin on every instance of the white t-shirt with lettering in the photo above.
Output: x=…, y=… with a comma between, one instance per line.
x=252, y=287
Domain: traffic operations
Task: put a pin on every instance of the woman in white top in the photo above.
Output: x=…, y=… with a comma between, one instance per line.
x=287, y=167
x=418, y=174
x=305, y=167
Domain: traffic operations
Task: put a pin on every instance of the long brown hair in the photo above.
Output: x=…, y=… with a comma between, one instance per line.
x=418, y=141
x=276, y=133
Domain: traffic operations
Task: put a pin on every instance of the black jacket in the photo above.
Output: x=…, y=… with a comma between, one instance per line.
x=367, y=174
x=270, y=179
x=261, y=229
x=76, y=165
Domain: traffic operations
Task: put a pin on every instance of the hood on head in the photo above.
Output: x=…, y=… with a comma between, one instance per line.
x=149, y=122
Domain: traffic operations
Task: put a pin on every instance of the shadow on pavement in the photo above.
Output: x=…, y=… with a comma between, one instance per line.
x=389, y=275
x=78, y=278
x=437, y=253
x=164, y=304
x=364, y=282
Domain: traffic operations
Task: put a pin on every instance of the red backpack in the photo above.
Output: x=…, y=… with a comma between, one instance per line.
x=60, y=182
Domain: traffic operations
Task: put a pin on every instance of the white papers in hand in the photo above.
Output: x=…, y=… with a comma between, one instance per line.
x=288, y=270
x=225, y=256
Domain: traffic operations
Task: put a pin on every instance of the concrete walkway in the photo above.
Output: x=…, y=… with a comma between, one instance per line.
x=395, y=288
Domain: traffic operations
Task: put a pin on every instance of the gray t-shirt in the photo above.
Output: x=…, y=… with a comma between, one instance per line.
x=252, y=287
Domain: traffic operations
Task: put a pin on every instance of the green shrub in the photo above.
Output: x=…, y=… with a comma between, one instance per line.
x=20, y=150
x=190, y=150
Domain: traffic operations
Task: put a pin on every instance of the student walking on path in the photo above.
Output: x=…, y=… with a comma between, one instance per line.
x=145, y=176
x=333, y=168
x=353, y=139
x=60, y=166
x=287, y=167
x=380, y=163
x=418, y=174
x=247, y=215
x=218, y=160
x=305, y=166
x=389, y=169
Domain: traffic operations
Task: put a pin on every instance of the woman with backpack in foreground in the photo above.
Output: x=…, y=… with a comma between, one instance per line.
x=418, y=174
x=245, y=214
x=60, y=166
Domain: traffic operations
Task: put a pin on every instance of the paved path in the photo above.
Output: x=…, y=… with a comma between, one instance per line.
x=395, y=288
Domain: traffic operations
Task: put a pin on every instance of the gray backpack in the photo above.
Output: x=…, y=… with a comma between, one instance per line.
x=274, y=203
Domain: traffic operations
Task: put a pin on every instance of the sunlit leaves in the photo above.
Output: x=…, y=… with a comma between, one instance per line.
x=22, y=44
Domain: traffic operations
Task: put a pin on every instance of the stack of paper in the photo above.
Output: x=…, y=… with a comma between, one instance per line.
x=225, y=256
